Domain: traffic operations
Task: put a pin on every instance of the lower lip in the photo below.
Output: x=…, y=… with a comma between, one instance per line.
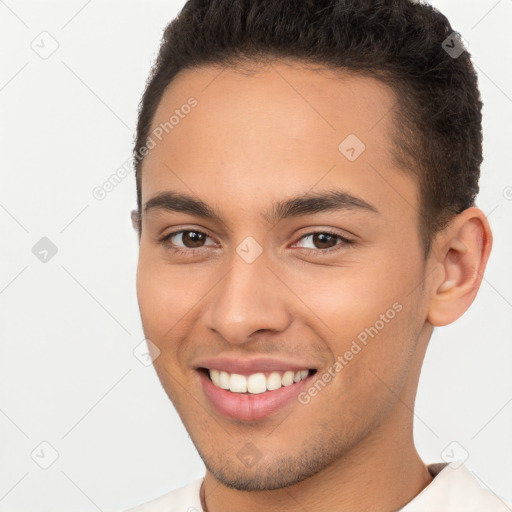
x=250, y=407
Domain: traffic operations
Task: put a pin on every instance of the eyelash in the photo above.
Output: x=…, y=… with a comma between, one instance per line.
x=345, y=242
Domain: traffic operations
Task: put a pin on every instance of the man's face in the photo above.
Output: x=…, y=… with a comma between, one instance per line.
x=254, y=293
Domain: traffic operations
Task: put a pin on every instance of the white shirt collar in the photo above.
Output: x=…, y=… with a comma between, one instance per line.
x=455, y=489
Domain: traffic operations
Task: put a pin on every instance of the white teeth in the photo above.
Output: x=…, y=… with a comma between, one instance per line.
x=257, y=382
x=300, y=375
x=274, y=381
x=288, y=378
x=214, y=375
x=237, y=383
x=223, y=380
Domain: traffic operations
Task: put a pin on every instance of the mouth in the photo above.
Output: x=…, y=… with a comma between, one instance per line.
x=255, y=383
x=253, y=396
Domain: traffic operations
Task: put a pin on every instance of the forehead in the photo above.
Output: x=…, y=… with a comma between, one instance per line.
x=267, y=97
x=281, y=126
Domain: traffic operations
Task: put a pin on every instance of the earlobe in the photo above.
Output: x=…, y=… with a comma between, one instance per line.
x=464, y=248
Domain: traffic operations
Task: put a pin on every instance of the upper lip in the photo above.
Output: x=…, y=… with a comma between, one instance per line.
x=250, y=365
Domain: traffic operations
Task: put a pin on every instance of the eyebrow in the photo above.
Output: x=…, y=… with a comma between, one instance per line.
x=305, y=204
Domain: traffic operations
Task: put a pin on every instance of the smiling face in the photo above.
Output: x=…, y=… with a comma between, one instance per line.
x=271, y=242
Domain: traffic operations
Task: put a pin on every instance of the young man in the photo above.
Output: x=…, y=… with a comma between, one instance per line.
x=306, y=176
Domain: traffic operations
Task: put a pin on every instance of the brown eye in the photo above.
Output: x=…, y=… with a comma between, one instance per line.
x=185, y=239
x=322, y=240
x=193, y=238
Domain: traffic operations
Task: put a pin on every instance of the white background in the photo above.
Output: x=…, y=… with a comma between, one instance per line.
x=69, y=326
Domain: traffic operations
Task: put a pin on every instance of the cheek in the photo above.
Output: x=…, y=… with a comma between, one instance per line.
x=171, y=298
x=370, y=368
x=155, y=298
x=351, y=297
x=165, y=294
x=369, y=315
x=162, y=306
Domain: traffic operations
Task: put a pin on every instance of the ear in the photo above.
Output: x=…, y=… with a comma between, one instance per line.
x=461, y=253
x=135, y=216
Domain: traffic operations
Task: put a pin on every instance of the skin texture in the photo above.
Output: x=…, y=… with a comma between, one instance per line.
x=264, y=136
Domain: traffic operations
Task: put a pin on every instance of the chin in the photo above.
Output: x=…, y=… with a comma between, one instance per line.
x=270, y=475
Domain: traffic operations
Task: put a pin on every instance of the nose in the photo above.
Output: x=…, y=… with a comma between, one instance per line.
x=250, y=298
